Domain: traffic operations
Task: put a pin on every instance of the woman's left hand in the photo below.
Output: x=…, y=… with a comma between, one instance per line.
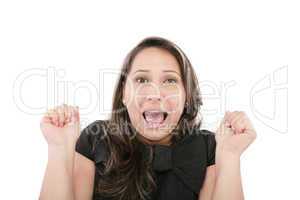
x=234, y=134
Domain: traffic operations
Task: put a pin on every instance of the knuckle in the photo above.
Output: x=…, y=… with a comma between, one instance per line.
x=243, y=114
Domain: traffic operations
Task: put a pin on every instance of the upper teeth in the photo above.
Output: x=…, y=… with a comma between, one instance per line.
x=153, y=111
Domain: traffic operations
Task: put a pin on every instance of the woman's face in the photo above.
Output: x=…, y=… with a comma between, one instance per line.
x=154, y=95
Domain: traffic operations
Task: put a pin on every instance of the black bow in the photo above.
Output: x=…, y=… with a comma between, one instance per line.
x=187, y=159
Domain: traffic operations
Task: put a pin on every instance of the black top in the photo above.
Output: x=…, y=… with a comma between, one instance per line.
x=180, y=169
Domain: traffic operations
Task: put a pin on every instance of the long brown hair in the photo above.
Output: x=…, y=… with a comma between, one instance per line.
x=127, y=173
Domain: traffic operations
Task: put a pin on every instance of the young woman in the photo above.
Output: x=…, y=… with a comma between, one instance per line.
x=152, y=146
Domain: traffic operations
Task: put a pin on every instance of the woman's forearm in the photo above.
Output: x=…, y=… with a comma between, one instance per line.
x=57, y=183
x=228, y=178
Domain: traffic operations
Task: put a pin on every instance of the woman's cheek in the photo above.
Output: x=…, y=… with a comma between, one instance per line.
x=174, y=104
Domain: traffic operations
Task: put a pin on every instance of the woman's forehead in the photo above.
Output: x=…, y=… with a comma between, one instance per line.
x=155, y=59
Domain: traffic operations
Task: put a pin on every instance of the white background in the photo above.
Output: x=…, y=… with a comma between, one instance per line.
x=251, y=48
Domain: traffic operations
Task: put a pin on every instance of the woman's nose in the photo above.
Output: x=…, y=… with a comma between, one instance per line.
x=153, y=97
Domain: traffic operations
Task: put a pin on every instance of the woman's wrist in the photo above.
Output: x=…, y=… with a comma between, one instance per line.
x=62, y=157
x=227, y=163
x=223, y=156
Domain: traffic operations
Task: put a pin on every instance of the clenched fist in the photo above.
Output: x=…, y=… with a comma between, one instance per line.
x=61, y=126
x=235, y=133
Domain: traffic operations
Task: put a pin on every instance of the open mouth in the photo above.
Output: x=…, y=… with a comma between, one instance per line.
x=154, y=119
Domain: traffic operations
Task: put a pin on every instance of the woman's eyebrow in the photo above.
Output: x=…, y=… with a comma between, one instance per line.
x=144, y=70
x=141, y=70
x=171, y=71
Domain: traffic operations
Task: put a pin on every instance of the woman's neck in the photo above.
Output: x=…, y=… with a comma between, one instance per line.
x=166, y=141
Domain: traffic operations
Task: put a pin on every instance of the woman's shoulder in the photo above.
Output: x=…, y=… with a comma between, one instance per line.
x=193, y=154
x=95, y=131
x=207, y=135
x=204, y=132
x=206, y=139
x=210, y=145
x=95, y=128
x=91, y=142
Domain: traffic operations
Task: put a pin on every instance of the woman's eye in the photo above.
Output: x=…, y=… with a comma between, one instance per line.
x=171, y=80
x=141, y=80
x=145, y=80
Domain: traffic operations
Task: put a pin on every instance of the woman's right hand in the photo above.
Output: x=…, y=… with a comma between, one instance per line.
x=61, y=126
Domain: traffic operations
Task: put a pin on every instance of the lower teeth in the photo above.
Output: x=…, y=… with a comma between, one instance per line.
x=154, y=124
